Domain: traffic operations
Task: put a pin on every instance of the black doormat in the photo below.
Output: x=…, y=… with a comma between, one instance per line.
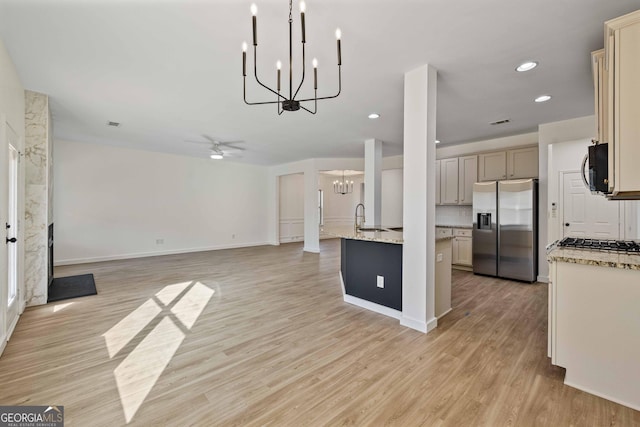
x=72, y=287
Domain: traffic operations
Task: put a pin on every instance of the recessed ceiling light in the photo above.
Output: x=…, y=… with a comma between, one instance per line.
x=543, y=98
x=114, y=124
x=216, y=156
x=526, y=66
x=437, y=141
x=374, y=116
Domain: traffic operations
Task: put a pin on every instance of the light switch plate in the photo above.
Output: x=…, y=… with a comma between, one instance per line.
x=380, y=282
x=439, y=258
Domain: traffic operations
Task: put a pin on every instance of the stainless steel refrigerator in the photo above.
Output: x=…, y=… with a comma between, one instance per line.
x=505, y=229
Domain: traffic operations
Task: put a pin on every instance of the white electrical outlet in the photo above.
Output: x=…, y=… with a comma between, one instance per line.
x=439, y=258
x=380, y=282
x=233, y=236
x=159, y=241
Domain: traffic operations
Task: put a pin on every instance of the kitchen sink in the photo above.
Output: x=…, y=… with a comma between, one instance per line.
x=371, y=229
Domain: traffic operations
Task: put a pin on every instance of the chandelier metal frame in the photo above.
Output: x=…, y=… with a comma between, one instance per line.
x=283, y=102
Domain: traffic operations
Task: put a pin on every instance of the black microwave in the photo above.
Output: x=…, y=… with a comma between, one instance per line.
x=599, y=168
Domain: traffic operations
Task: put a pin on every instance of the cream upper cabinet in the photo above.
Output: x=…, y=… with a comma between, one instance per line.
x=449, y=181
x=492, y=166
x=467, y=176
x=601, y=95
x=512, y=164
x=622, y=68
x=522, y=163
x=438, y=182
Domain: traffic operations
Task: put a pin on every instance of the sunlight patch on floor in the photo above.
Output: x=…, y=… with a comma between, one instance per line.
x=137, y=374
x=58, y=307
x=188, y=309
x=125, y=330
x=167, y=294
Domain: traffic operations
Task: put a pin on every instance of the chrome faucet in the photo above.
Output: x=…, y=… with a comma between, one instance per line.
x=356, y=225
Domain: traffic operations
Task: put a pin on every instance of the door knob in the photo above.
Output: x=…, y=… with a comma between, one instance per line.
x=566, y=224
x=11, y=240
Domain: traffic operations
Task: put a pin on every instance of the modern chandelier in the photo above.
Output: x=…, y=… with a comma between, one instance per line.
x=283, y=102
x=342, y=187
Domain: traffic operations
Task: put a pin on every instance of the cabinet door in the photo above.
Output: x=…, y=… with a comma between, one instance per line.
x=601, y=96
x=449, y=181
x=625, y=74
x=438, y=182
x=454, y=250
x=522, y=163
x=465, y=252
x=492, y=166
x=467, y=176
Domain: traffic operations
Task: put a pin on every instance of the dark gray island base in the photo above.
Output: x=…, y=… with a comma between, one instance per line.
x=362, y=261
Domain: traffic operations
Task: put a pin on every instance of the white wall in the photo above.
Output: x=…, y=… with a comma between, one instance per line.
x=115, y=203
x=11, y=115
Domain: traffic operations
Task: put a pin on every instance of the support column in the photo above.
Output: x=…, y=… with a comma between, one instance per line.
x=418, y=252
x=38, y=196
x=311, y=227
x=373, y=182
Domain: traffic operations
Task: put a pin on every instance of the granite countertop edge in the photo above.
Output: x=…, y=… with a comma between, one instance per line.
x=466, y=227
x=595, y=258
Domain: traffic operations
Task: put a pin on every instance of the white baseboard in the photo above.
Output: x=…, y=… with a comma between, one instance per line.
x=445, y=313
x=11, y=328
x=418, y=325
x=390, y=312
x=543, y=279
x=314, y=250
x=602, y=395
x=3, y=344
x=155, y=253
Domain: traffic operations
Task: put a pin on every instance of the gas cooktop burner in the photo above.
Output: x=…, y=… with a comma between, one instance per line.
x=627, y=246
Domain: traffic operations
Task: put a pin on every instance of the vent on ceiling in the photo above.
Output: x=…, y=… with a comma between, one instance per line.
x=500, y=122
x=114, y=124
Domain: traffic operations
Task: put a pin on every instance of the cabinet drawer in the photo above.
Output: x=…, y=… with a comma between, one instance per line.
x=443, y=232
x=461, y=232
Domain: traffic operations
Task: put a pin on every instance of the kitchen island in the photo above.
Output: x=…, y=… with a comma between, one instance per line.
x=594, y=321
x=371, y=269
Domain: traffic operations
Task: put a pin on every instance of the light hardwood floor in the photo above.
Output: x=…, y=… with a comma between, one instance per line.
x=265, y=339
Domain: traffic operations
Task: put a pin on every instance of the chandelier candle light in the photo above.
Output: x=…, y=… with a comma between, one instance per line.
x=342, y=187
x=288, y=103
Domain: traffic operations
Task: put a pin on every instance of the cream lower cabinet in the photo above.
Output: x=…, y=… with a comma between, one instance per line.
x=461, y=249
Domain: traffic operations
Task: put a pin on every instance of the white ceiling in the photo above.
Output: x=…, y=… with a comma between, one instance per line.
x=170, y=71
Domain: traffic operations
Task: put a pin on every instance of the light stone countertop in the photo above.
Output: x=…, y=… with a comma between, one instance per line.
x=594, y=257
x=389, y=236
x=464, y=227
x=372, y=236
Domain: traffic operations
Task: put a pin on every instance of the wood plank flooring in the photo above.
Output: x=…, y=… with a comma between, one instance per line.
x=274, y=344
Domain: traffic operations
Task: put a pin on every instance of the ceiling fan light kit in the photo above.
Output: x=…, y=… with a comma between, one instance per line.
x=283, y=102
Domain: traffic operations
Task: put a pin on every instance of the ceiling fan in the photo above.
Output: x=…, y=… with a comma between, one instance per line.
x=219, y=149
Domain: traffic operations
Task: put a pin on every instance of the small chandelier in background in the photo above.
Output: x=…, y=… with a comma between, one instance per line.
x=283, y=102
x=342, y=187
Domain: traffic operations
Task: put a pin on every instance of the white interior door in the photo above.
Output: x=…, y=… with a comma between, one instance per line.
x=588, y=215
x=12, y=241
